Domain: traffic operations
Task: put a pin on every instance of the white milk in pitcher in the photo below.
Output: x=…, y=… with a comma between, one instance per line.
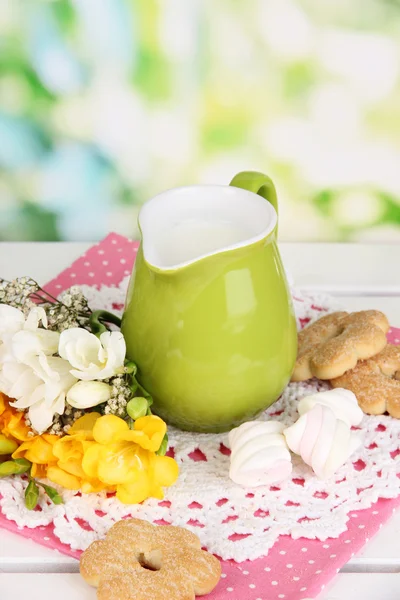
x=192, y=239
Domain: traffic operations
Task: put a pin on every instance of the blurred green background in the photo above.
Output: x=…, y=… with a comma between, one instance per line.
x=104, y=103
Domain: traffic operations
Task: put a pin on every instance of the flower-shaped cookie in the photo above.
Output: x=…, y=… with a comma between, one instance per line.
x=376, y=382
x=141, y=561
x=333, y=344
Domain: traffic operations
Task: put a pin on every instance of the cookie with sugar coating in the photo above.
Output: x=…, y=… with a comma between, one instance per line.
x=139, y=561
x=375, y=382
x=336, y=342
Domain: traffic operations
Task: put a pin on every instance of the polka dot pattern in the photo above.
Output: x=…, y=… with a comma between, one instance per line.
x=293, y=569
x=107, y=262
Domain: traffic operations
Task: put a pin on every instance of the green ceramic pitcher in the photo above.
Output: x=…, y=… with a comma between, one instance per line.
x=209, y=318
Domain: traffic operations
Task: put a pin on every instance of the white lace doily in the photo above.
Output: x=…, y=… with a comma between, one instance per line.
x=233, y=522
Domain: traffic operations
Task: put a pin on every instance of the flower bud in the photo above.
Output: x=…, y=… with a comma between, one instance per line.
x=137, y=407
x=85, y=394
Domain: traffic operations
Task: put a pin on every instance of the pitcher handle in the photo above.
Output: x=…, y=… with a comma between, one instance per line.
x=260, y=184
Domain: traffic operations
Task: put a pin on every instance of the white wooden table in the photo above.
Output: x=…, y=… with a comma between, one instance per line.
x=361, y=276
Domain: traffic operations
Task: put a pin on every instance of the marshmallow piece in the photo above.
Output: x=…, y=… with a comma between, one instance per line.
x=342, y=402
x=322, y=440
x=259, y=454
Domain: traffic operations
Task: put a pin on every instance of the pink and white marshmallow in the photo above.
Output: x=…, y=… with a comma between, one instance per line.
x=259, y=454
x=342, y=402
x=322, y=435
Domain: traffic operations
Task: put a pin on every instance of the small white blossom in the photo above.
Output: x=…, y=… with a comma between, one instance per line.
x=37, y=380
x=85, y=394
x=41, y=390
x=92, y=358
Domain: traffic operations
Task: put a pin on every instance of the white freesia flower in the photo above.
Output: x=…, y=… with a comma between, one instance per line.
x=13, y=321
x=40, y=387
x=91, y=357
x=85, y=394
x=37, y=380
x=28, y=345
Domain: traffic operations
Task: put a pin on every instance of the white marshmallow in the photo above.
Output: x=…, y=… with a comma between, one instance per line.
x=322, y=440
x=342, y=402
x=259, y=454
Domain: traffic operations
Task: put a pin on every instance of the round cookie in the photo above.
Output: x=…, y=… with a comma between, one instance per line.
x=375, y=382
x=336, y=342
x=139, y=561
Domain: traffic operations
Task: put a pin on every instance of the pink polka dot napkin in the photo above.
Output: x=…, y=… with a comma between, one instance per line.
x=293, y=569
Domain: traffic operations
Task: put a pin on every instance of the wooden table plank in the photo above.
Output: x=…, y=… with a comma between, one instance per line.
x=42, y=260
x=17, y=552
x=337, y=268
x=354, y=586
x=46, y=586
x=363, y=586
x=344, y=268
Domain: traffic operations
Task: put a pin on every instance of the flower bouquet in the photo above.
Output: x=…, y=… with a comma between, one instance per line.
x=72, y=411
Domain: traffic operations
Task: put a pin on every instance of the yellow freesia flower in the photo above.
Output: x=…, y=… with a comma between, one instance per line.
x=68, y=472
x=148, y=432
x=125, y=458
x=98, y=453
x=159, y=472
x=39, y=451
x=85, y=425
x=12, y=421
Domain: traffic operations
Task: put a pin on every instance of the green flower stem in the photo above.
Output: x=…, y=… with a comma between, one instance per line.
x=144, y=392
x=32, y=494
x=98, y=318
x=52, y=493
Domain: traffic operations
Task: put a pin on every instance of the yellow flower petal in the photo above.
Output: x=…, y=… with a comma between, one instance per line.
x=69, y=448
x=12, y=422
x=165, y=470
x=37, y=450
x=90, y=460
x=66, y=480
x=92, y=486
x=74, y=467
x=85, y=424
x=156, y=492
x=107, y=428
x=2, y=403
x=119, y=463
x=133, y=493
x=151, y=430
x=49, y=438
x=39, y=471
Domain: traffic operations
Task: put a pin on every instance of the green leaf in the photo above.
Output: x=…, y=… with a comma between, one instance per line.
x=31, y=495
x=164, y=446
x=52, y=494
x=98, y=318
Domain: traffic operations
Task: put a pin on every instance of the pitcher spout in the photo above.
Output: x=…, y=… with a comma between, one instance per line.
x=184, y=225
